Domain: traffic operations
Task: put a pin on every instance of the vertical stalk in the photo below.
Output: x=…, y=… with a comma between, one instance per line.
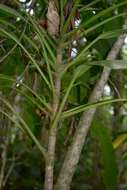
x=53, y=131
x=53, y=21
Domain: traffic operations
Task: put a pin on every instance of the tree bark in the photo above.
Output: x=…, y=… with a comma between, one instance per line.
x=73, y=154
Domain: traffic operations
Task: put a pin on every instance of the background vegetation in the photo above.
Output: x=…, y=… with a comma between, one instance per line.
x=63, y=94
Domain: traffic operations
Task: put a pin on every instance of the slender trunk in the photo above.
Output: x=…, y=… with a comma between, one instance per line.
x=53, y=29
x=73, y=154
x=53, y=131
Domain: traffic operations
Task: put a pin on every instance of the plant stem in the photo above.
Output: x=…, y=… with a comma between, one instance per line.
x=53, y=131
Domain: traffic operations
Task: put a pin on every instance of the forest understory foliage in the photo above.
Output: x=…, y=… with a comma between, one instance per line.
x=63, y=95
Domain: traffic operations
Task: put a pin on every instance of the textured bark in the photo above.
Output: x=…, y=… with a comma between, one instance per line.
x=73, y=154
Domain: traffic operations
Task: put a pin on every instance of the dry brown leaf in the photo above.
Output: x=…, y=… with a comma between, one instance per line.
x=52, y=19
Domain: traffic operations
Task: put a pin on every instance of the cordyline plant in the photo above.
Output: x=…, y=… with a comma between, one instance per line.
x=55, y=51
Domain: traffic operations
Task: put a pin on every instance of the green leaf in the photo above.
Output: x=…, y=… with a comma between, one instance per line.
x=81, y=55
x=120, y=139
x=95, y=26
x=113, y=64
x=103, y=137
x=23, y=125
x=14, y=38
x=43, y=37
x=85, y=107
x=106, y=21
x=11, y=11
x=11, y=81
x=104, y=12
x=89, y=5
x=29, y=116
x=80, y=70
x=13, y=63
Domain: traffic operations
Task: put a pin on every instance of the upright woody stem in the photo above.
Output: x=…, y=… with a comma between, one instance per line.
x=53, y=130
x=53, y=29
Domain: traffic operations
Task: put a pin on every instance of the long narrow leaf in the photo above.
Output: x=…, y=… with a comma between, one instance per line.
x=89, y=5
x=85, y=107
x=120, y=139
x=92, y=28
x=81, y=55
x=41, y=100
x=25, y=127
x=41, y=36
x=104, y=12
x=79, y=71
x=86, y=32
x=29, y=55
x=113, y=64
x=48, y=68
x=11, y=11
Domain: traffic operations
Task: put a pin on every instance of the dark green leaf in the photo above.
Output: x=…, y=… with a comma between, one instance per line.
x=103, y=137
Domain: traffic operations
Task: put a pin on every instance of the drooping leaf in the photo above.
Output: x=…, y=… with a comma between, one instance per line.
x=114, y=64
x=82, y=108
x=11, y=11
x=24, y=125
x=13, y=37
